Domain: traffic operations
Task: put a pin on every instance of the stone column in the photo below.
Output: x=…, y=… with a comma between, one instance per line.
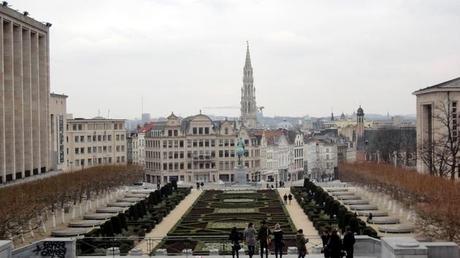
x=35, y=102
x=27, y=98
x=9, y=99
x=44, y=100
x=18, y=102
x=2, y=111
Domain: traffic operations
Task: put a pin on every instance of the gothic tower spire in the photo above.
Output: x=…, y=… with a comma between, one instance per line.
x=248, y=94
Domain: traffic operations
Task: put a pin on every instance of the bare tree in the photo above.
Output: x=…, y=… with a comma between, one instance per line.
x=440, y=153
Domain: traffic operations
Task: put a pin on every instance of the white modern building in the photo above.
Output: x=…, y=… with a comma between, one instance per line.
x=58, y=122
x=94, y=142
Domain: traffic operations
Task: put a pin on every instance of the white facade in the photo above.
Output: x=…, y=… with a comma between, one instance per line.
x=95, y=142
x=58, y=121
x=278, y=156
x=321, y=157
x=296, y=169
x=138, y=149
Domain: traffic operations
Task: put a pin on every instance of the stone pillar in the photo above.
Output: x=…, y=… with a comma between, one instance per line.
x=35, y=102
x=9, y=100
x=18, y=102
x=27, y=98
x=2, y=111
x=44, y=101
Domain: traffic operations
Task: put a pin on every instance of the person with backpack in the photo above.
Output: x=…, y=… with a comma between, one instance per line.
x=349, y=242
x=278, y=240
x=264, y=239
x=250, y=238
x=235, y=238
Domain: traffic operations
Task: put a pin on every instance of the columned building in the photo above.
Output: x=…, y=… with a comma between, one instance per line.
x=248, y=95
x=24, y=88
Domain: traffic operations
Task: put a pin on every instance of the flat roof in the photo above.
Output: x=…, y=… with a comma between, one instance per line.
x=23, y=18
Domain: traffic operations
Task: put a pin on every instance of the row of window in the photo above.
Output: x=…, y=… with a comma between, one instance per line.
x=97, y=138
x=96, y=161
x=97, y=149
x=96, y=126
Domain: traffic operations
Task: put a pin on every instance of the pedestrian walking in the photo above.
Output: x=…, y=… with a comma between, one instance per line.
x=349, y=242
x=197, y=185
x=264, y=239
x=301, y=242
x=335, y=245
x=250, y=238
x=285, y=197
x=325, y=235
x=235, y=238
x=290, y=198
x=278, y=240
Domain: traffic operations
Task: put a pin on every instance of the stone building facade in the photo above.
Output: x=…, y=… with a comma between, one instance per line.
x=24, y=88
x=95, y=142
x=198, y=149
x=434, y=105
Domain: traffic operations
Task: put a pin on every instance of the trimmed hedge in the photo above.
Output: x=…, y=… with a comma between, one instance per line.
x=325, y=212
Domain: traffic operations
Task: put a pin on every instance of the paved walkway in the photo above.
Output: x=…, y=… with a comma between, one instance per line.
x=161, y=230
x=300, y=219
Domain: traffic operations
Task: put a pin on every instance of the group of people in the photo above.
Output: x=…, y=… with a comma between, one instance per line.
x=265, y=236
x=335, y=247
x=287, y=197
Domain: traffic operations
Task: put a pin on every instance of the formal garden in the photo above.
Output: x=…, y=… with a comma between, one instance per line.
x=327, y=213
x=206, y=226
x=129, y=227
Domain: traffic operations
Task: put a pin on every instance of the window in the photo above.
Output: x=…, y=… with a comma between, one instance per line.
x=89, y=150
x=194, y=130
x=117, y=137
x=82, y=138
x=200, y=130
x=88, y=138
x=226, y=130
x=76, y=138
x=109, y=137
x=99, y=138
x=80, y=127
x=77, y=150
x=82, y=150
x=170, y=133
x=206, y=130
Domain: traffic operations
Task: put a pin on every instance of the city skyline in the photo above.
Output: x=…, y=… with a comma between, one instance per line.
x=308, y=58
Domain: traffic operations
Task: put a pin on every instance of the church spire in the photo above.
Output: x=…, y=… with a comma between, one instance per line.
x=247, y=64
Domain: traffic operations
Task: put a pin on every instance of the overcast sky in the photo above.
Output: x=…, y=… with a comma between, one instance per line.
x=309, y=57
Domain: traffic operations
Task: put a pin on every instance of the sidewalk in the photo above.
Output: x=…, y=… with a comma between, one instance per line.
x=300, y=219
x=168, y=222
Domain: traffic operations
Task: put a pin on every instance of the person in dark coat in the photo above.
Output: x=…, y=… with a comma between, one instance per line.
x=290, y=198
x=348, y=242
x=301, y=242
x=335, y=245
x=285, y=198
x=278, y=240
x=325, y=235
x=264, y=237
x=235, y=238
